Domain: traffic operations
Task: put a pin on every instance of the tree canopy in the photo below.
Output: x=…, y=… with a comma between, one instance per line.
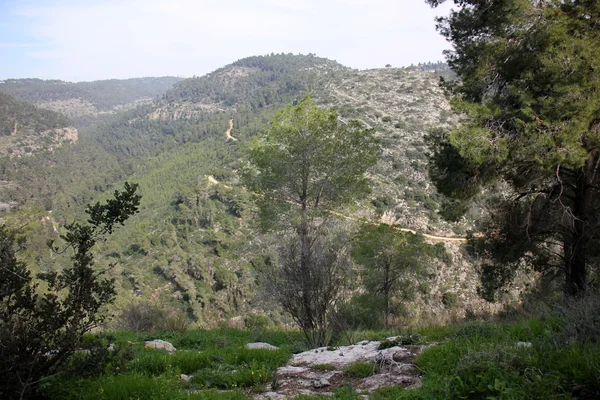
x=309, y=159
x=528, y=91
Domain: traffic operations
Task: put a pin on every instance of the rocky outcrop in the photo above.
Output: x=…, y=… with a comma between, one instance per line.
x=321, y=371
x=160, y=345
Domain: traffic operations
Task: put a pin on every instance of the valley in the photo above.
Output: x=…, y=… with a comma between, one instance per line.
x=196, y=245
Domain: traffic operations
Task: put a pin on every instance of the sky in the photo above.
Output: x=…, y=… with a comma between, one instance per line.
x=83, y=40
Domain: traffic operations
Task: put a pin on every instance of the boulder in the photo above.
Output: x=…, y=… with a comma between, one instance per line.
x=261, y=346
x=160, y=345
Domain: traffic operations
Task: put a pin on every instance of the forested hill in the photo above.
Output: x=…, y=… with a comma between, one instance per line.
x=88, y=98
x=25, y=128
x=255, y=81
x=15, y=113
x=197, y=245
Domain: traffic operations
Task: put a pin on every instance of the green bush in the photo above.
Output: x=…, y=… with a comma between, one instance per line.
x=141, y=316
x=258, y=323
x=450, y=300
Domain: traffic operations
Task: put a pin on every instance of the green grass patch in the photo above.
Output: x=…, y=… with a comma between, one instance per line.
x=361, y=369
x=323, y=367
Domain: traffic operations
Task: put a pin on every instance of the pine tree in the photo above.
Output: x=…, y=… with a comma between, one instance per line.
x=529, y=94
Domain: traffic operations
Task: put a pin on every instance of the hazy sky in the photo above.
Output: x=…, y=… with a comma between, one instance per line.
x=79, y=40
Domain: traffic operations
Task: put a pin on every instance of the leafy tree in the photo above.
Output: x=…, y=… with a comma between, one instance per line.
x=528, y=91
x=40, y=329
x=391, y=260
x=309, y=160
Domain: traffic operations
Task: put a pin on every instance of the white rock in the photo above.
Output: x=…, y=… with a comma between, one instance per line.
x=524, y=344
x=160, y=345
x=320, y=383
x=261, y=346
x=185, y=378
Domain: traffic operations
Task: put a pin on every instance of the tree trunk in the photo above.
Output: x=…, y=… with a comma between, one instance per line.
x=575, y=252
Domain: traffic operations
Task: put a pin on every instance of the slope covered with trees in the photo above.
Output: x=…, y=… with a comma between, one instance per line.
x=26, y=129
x=197, y=245
x=82, y=100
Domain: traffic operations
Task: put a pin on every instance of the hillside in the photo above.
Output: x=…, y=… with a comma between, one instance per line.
x=88, y=99
x=26, y=129
x=196, y=244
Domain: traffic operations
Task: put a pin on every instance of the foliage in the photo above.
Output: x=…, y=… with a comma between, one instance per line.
x=16, y=114
x=311, y=294
x=483, y=360
x=306, y=158
x=145, y=316
x=391, y=260
x=39, y=330
x=528, y=89
x=196, y=237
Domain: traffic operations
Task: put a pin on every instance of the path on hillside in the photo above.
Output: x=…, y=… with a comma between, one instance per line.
x=212, y=179
x=228, y=133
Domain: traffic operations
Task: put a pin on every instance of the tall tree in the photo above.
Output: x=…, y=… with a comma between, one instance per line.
x=391, y=260
x=528, y=92
x=308, y=159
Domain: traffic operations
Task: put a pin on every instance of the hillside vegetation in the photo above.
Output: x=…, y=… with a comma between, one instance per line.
x=197, y=246
x=82, y=100
x=26, y=129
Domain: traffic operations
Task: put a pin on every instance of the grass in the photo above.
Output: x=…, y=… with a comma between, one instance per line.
x=473, y=360
x=361, y=369
x=216, y=359
x=481, y=360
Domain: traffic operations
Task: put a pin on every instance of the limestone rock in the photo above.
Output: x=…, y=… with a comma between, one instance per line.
x=320, y=383
x=261, y=346
x=160, y=345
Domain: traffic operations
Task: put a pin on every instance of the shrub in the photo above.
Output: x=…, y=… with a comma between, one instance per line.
x=582, y=320
x=141, y=316
x=39, y=330
x=258, y=323
x=450, y=299
x=176, y=321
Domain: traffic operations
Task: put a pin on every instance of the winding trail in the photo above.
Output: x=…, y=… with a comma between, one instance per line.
x=459, y=239
x=228, y=132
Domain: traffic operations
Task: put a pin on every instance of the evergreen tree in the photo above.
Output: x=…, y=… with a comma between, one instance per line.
x=308, y=159
x=528, y=91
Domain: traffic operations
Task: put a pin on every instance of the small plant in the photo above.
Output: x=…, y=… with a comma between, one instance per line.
x=403, y=340
x=386, y=344
x=361, y=369
x=450, y=300
x=323, y=367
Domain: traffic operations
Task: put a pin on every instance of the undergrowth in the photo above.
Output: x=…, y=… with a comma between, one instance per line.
x=550, y=358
